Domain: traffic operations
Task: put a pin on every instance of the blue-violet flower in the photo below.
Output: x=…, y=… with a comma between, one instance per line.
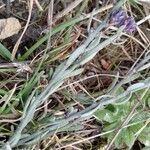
x=121, y=18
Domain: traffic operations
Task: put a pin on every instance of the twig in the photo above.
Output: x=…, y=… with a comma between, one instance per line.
x=67, y=10
x=26, y=26
x=38, y=5
x=50, y=22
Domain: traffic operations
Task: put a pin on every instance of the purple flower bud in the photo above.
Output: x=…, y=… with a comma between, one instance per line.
x=121, y=18
x=118, y=17
x=130, y=25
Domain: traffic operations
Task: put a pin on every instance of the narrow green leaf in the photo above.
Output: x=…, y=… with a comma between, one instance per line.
x=4, y=52
x=119, y=141
x=29, y=86
x=128, y=137
x=144, y=136
x=43, y=39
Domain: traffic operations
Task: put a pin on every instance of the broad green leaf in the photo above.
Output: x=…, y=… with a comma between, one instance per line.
x=148, y=102
x=144, y=137
x=109, y=136
x=104, y=115
x=145, y=100
x=119, y=91
x=3, y=92
x=141, y=116
x=136, y=128
x=128, y=137
x=119, y=140
x=111, y=126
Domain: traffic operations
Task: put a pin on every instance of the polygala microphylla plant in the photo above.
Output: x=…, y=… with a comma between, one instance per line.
x=114, y=106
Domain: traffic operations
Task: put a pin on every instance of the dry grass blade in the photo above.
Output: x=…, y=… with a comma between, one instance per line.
x=50, y=22
x=25, y=28
x=38, y=5
x=67, y=10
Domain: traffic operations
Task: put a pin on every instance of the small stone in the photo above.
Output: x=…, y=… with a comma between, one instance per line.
x=9, y=27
